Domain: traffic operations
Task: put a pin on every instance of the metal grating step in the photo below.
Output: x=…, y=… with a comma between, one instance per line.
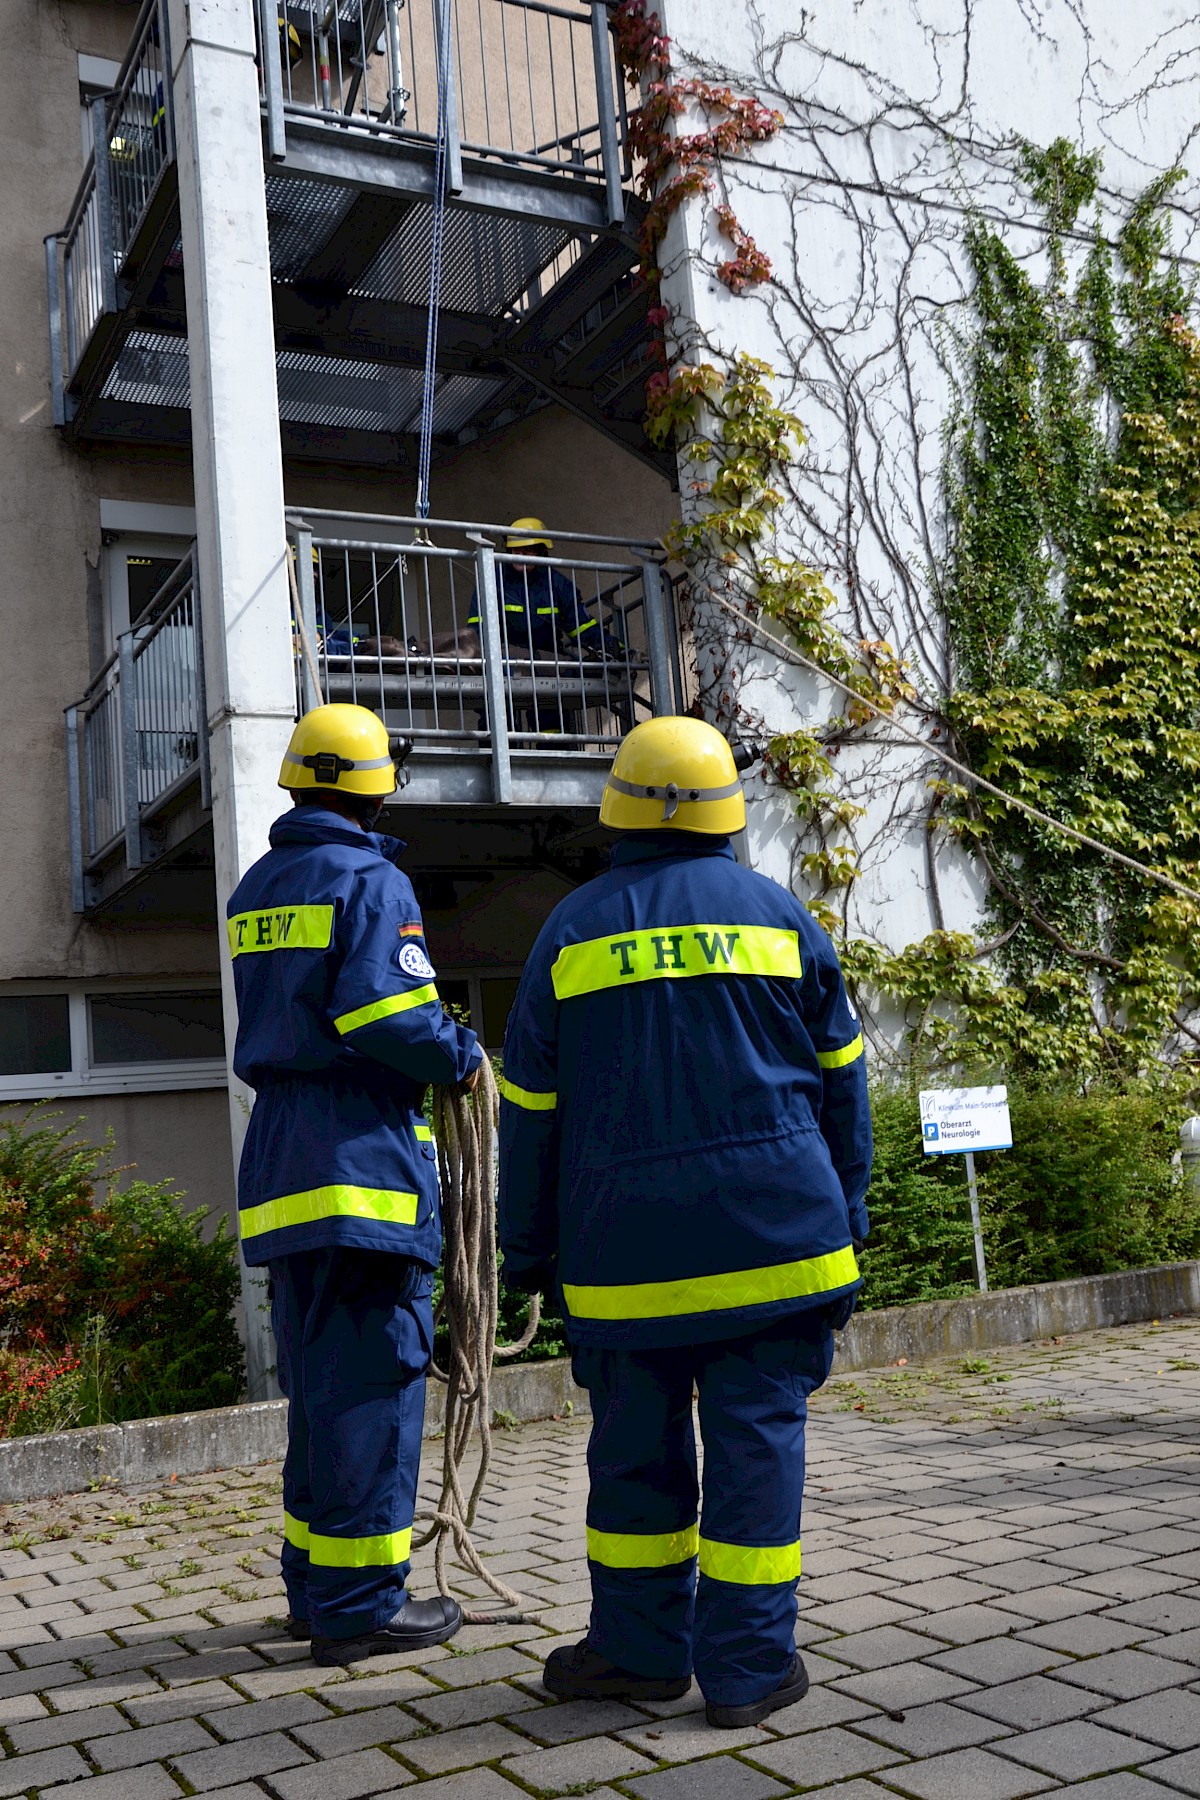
x=302, y=216
x=152, y=370
x=489, y=262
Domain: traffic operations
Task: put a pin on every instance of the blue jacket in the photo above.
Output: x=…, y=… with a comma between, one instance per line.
x=540, y=608
x=340, y=1030
x=685, y=1135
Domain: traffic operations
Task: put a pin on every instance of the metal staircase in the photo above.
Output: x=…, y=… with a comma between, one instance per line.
x=540, y=299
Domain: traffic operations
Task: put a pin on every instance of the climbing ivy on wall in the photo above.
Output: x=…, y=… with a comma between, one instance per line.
x=1071, y=593
x=1073, y=606
x=1066, y=582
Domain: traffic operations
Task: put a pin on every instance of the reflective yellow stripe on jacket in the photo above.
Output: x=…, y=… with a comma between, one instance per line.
x=384, y=1550
x=672, y=953
x=383, y=1009
x=714, y=1293
x=642, y=1549
x=527, y=1098
x=837, y=1059
x=384, y=1205
x=280, y=928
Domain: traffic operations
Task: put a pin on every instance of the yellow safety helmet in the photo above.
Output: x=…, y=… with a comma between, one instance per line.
x=289, y=39
x=524, y=533
x=342, y=747
x=674, y=774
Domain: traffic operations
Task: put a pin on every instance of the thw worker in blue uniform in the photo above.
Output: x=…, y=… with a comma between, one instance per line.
x=685, y=1147
x=340, y=1031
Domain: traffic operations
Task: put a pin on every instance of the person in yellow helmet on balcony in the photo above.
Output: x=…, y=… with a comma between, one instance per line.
x=684, y=1152
x=340, y=1031
x=540, y=609
x=541, y=613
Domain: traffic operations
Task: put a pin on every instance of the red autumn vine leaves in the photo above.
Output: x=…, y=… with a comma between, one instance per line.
x=677, y=165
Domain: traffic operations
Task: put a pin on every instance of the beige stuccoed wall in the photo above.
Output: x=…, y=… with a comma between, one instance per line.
x=183, y=1137
x=552, y=465
x=49, y=516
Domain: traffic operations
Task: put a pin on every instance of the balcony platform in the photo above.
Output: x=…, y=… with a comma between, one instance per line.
x=506, y=680
x=540, y=301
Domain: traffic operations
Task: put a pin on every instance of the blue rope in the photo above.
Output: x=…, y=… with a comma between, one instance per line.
x=425, y=453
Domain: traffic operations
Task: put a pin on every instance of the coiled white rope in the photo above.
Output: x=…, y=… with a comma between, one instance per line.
x=465, y=1130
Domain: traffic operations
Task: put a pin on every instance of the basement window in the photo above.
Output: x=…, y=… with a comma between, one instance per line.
x=482, y=1000
x=35, y=1034
x=89, y=1039
x=156, y=1028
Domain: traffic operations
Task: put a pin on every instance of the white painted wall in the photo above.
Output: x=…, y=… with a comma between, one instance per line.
x=900, y=115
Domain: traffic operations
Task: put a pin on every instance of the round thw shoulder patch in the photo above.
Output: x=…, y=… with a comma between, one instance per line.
x=413, y=961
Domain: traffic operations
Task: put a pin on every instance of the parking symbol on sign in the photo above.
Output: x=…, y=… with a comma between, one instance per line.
x=931, y=1131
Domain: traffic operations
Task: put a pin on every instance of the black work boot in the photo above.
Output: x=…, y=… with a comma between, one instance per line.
x=793, y=1687
x=417, y=1625
x=299, y=1629
x=576, y=1672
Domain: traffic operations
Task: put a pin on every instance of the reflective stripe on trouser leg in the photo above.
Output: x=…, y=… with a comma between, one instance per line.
x=641, y=1529
x=287, y=1314
x=366, y=1341
x=753, y=1405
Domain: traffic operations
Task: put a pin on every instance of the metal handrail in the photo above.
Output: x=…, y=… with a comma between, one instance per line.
x=120, y=178
x=529, y=80
x=478, y=645
x=138, y=736
x=305, y=517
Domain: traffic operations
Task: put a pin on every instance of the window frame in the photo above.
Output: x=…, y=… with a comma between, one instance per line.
x=119, y=547
x=88, y=1078
x=473, y=977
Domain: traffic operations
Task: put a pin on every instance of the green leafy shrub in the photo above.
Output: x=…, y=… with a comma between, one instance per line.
x=112, y=1303
x=920, y=1246
x=1091, y=1185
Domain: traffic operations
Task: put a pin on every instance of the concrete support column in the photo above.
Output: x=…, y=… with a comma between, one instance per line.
x=238, y=472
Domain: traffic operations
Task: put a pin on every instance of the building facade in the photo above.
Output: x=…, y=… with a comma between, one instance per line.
x=219, y=242
x=241, y=472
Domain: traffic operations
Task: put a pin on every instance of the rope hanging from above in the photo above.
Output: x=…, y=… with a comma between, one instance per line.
x=465, y=1130
x=436, y=251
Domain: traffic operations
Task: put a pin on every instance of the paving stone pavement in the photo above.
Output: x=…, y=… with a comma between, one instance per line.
x=1001, y=1598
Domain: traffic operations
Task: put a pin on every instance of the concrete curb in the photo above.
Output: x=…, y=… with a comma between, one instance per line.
x=872, y=1340
x=70, y=1462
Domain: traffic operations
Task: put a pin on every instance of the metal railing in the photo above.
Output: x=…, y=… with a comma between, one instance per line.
x=469, y=643
x=139, y=735
x=133, y=141
x=530, y=82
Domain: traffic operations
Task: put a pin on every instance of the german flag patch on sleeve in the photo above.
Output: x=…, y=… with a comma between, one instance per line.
x=413, y=929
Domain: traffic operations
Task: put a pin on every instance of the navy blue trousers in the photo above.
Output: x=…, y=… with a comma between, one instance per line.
x=675, y=1589
x=354, y=1334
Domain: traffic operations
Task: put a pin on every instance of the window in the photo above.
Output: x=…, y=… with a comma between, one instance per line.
x=88, y=1040
x=484, y=1000
x=497, y=994
x=97, y=76
x=152, y=1028
x=144, y=576
x=35, y=1034
x=134, y=571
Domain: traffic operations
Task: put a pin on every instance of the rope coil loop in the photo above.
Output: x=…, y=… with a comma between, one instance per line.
x=465, y=1129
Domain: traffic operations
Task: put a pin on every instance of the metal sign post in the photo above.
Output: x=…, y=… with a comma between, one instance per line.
x=958, y=1122
x=976, y=1226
